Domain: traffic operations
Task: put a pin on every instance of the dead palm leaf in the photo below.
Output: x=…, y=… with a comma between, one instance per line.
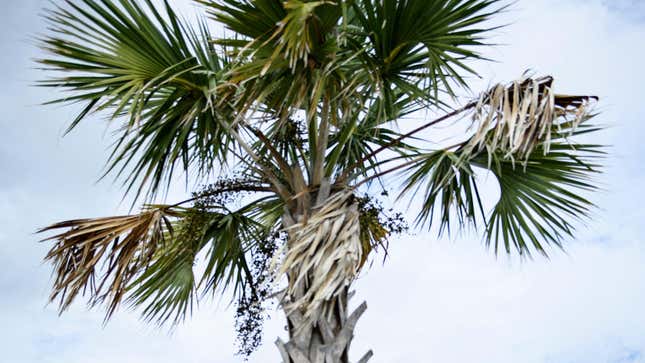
x=513, y=119
x=103, y=255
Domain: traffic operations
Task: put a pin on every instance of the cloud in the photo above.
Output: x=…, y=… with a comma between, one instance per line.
x=629, y=9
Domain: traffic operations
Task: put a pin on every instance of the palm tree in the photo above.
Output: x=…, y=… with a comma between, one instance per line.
x=287, y=121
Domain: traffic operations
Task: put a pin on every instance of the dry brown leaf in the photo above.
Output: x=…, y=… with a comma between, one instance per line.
x=516, y=118
x=100, y=256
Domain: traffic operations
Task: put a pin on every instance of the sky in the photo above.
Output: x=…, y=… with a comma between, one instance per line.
x=434, y=300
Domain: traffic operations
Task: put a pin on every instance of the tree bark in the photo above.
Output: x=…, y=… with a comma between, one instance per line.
x=326, y=340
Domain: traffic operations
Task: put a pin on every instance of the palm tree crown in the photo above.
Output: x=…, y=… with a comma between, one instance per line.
x=287, y=120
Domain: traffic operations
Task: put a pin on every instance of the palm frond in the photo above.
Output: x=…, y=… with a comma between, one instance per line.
x=148, y=259
x=284, y=30
x=448, y=184
x=100, y=257
x=540, y=201
x=422, y=46
x=514, y=119
x=148, y=68
x=169, y=287
x=250, y=19
x=513, y=122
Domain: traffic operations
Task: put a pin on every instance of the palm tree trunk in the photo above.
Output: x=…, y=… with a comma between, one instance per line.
x=326, y=340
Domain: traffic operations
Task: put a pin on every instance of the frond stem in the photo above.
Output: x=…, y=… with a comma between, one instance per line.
x=280, y=188
x=241, y=188
x=395, y=168
x=402, y=137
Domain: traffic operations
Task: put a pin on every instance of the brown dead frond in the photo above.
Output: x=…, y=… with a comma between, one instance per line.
x=99, y=257
x=515, y=118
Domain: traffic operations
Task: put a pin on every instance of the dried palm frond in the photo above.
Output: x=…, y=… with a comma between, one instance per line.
x=324, y=255
x=103, y=255
x=515, y=118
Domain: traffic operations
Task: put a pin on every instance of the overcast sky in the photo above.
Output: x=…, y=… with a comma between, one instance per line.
x=448, y=301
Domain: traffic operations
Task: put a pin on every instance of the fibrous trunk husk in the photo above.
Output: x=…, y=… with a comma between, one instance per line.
x=323, y=256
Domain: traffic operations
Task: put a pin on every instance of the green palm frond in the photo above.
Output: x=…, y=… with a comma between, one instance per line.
x=448, y=185
x=422, y=46
x=230, y=236
x=169, y=287
x=250, y=19
x=150, y=69
x=289, y=30
x=540, y=199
